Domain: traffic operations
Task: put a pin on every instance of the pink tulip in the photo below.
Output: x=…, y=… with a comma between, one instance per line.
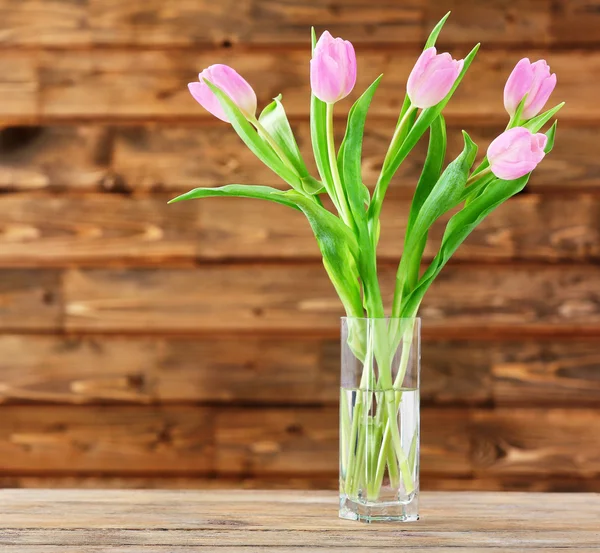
x=533, y=79
x=516, y=152
x=231, y=83
x=432, y=78
x=332, y=68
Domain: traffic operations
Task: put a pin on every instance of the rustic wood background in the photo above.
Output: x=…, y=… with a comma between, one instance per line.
x=196, y=345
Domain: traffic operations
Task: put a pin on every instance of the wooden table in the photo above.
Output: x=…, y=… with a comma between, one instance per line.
x=125, y=521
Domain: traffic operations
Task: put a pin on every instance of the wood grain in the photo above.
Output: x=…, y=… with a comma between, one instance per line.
x=174, y=158
x=100, y=229
x=293, y=371
x=299, y=297
x=30, y=300
x=61, y=23
x=106, y=440
x=279, y=442
x=278, y=521
x=258, y=22
x=428, y=482
x=114, y=85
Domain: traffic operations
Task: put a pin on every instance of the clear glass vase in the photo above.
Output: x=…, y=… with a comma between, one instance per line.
x=379, y=419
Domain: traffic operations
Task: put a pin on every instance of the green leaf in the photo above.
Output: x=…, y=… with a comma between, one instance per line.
x=350, y=154
x=444, y=196
x=436, y=32
x=463, y=223
x=274, y=119
x=535, y=124
x=337, y=243
x=240, y=191
x=429, y=177
x=339, y=249
x=252, y=139
x=432, y=168
x=425, y=119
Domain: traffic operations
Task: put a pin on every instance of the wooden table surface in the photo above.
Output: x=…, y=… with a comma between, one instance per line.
x=150, y=521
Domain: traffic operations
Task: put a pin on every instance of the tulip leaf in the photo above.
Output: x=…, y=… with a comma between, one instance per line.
x=462, y=224
x=337, y=243
x=252, y=139
x=240, y=191
x=274, y=120
x=433, y=36
x=444, y=196
x=430, y=175
x=350, y=154
x=535, y=124
x=425, y=119
x=339, y=249
x=432, y=168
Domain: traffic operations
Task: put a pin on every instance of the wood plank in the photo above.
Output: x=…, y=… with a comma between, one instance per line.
x=126, y=440
x=174, y=158
x=575, y=22
x=280, y=521
x=182, y=483
x=259, y=22
x=515, y=441
x=30, y=300
x=299, y=297
x=185, y=440
x=262, y=371
x=96, y=230
x=428, y=482
x=115, y=84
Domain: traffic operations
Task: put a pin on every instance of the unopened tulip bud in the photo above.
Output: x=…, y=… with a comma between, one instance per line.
x=516, y=152
x=533, y=79
x=231, y=83
x=432, y=78
x=332, y=68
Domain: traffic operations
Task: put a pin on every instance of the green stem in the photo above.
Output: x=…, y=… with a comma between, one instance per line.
x=396, y=137
x=384, y=178
x=477, y=175
x=335, y=172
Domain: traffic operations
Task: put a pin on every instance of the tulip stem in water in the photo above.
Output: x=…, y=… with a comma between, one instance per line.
x=335, y=172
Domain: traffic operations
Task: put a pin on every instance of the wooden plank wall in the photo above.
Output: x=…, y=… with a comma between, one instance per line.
x=146, y=345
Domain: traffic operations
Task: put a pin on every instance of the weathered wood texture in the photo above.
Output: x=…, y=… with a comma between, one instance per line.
x=299, y=297
x=195, y=345
x=275, y=441
x=44, y=230
x=255, y=22
x=289, y=371
x=523, y=483
x=233, y=521
x=113, y=84
x=174, y=158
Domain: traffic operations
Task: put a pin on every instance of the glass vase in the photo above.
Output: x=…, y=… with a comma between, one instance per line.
x=379, y=419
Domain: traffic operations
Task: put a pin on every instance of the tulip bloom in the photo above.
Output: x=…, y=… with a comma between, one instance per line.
x=516, y=152
x=432, y=78
x=533, y=79
x=231, y=83
x=332, y=68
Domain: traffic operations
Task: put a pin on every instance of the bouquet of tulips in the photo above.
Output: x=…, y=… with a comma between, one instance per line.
x=348, y=234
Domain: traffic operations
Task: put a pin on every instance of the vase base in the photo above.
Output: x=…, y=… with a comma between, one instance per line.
x=379, y=512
